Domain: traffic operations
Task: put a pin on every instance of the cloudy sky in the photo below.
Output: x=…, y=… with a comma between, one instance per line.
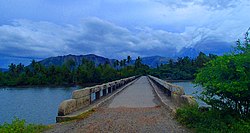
x=116, y=28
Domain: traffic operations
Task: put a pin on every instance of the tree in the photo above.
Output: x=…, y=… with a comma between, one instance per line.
x=114, y=64
x=138, y=62
x=19, y=68
x=124, y=62
x=226, y=82
x=171, y=63
x=117, y=62
x=33, y=62
x=243, y=47
x=201, y=60
x=68, y=73
x=128, y=59
x=2, y=80
x=51, y=74
x=70, y=64
x=12, y=69
x=121, y=63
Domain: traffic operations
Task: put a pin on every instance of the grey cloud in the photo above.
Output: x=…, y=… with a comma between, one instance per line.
x=220, y=4
x=211, y=4
x=93, y=35
x=44, y=39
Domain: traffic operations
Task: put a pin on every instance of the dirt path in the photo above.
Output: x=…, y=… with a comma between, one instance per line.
x=134, y=110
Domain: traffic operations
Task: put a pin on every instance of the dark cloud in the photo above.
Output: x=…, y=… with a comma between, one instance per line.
x=40, y=39
x=44, y=39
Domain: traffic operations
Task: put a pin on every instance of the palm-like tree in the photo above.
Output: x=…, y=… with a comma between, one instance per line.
x=128, y=59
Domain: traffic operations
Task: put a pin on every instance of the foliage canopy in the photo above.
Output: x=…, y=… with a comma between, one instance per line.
x=226, y=80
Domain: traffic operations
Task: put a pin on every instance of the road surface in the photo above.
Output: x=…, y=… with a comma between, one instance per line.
x=135, y=109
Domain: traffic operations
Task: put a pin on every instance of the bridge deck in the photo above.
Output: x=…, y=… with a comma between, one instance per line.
x=135, y=109
x=140, y=94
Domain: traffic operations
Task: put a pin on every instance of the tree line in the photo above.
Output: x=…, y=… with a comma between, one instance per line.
x=182, y=69
x=69, y=73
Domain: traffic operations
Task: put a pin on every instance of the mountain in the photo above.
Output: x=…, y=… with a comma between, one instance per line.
x=207, y=47
x=60, y=60
x=153, y=61
x=3, y=69
x=190, y=52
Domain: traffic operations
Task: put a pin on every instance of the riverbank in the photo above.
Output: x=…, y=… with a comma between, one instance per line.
x=20, y=126
x=52, y=86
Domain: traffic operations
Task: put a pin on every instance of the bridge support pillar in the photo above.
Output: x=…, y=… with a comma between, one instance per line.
x=104, y=92
x=97, y=94
x=109, y=90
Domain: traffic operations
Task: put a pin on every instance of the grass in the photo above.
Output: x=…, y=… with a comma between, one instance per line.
x=211, y=121
x=79, y=117
x=20, y=126
x=85, y=114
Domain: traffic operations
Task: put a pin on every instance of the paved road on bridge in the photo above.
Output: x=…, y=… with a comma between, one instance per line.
x=140, y=94
x=135, y=109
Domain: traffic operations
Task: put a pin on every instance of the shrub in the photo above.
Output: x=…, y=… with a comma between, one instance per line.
x=226, y=80
x=211, y=121
x=226, y=83
x=20, y=126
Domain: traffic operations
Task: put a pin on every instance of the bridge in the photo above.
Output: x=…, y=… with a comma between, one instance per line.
x=134, y=104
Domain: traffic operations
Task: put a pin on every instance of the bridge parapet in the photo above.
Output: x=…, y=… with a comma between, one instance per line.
x=176, y=93
x=84, y=97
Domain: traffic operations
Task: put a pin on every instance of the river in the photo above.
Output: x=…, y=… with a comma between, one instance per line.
x=191, y=89
x=35, y=105
x=40, y=105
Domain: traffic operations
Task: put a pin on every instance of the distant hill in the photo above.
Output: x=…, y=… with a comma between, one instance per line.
x=60, y=60
x=153, y=61
x=3, y=69
x=207, y=47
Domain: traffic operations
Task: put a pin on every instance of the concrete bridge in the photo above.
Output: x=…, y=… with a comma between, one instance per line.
x=135, y=104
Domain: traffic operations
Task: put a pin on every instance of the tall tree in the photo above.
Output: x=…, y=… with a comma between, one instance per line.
x=243, y=46
x=70, y=64
x=138, y=62
x=121, y=63
x=12, y=69
x=124, y=62
x=201, y=59
x=117, y=63
x=20, y=68
x=128, y=59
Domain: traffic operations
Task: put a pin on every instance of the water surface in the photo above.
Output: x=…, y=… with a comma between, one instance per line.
x=191, y=89
x=35, y=105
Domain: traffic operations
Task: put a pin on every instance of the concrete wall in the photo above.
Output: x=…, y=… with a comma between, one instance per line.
x=86, y=96
x=176, y=93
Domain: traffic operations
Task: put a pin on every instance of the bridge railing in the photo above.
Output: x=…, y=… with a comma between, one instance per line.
x=86, y=96
x=176, y=93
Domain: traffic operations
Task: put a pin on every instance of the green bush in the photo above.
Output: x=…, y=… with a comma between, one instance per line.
x=211, y=121
x=226, y=83
x=226, y=80
x=20, y=126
